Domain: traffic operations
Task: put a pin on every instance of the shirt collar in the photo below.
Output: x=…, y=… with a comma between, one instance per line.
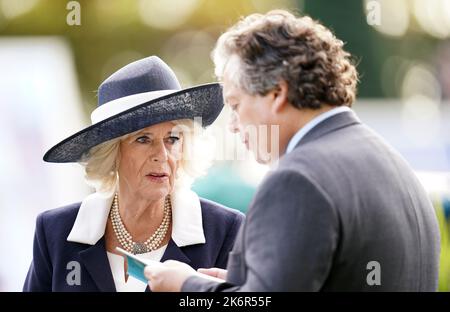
x=312, y=123
x=187, y=225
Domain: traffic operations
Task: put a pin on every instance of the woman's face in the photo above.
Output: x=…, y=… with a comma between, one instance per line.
x=148, y=160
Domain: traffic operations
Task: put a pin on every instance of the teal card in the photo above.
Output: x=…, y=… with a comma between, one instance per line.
x=136, y=269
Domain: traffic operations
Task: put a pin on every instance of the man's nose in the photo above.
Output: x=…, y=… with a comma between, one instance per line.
x=233, y=124
x=159, y=152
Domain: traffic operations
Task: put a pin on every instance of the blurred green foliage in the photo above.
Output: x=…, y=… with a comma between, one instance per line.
x=112, y=34
x=444, y=226
x=371, y=49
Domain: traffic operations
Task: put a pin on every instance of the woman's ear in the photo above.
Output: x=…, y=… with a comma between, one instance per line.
x=280, y=97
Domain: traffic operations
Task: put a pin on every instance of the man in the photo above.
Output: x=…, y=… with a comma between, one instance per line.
x=342, y=211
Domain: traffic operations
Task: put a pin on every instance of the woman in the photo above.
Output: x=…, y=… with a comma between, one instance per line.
x=140, y=154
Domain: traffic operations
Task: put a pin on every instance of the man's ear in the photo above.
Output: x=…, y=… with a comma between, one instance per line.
x=280, y=97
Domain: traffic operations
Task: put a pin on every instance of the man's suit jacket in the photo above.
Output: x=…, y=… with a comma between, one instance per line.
x=342, y=212
x=52, y=253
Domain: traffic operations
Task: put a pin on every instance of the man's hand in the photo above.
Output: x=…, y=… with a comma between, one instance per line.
x=168, y=277
x=214, y=272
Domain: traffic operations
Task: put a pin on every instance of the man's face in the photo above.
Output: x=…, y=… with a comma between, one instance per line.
x=252, y=118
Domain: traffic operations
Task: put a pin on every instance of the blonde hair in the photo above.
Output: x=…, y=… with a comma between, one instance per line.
x=101, y=163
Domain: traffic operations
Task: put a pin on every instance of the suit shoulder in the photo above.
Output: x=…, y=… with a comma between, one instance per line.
x=61, y=216
x=215, y=211
x=346, y=144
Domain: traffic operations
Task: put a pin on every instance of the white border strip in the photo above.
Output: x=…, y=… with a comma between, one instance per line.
x=117, y=106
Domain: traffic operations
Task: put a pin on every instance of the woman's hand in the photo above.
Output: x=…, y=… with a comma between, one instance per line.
x=168, y=277
x=214, y=272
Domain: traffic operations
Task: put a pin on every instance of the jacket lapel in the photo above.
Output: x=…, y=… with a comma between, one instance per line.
x=96, y=262
x=173, y=252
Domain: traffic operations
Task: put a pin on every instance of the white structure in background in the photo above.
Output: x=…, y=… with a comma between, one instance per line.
x=39, y=105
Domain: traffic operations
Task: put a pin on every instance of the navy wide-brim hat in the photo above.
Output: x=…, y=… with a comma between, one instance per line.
x=141, y=94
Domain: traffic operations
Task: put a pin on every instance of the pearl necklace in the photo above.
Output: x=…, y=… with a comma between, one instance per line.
x=126, y=240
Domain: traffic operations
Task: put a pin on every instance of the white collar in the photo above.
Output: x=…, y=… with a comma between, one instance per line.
x=312, y=123
x=187, y=226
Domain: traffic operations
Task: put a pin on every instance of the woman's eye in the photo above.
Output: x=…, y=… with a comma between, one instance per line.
x=173, y=139
x=142, y=139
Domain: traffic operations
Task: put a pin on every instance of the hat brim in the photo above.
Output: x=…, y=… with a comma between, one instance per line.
x=203, y=101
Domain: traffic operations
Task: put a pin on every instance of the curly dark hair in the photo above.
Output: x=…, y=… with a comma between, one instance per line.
x=280, y=46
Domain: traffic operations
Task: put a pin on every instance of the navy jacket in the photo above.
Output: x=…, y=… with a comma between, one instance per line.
x=53, y=254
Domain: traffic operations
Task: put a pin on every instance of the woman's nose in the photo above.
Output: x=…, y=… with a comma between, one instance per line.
x=159, y=152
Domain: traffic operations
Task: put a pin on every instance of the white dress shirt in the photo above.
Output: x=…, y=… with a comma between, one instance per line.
x=132, y=284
